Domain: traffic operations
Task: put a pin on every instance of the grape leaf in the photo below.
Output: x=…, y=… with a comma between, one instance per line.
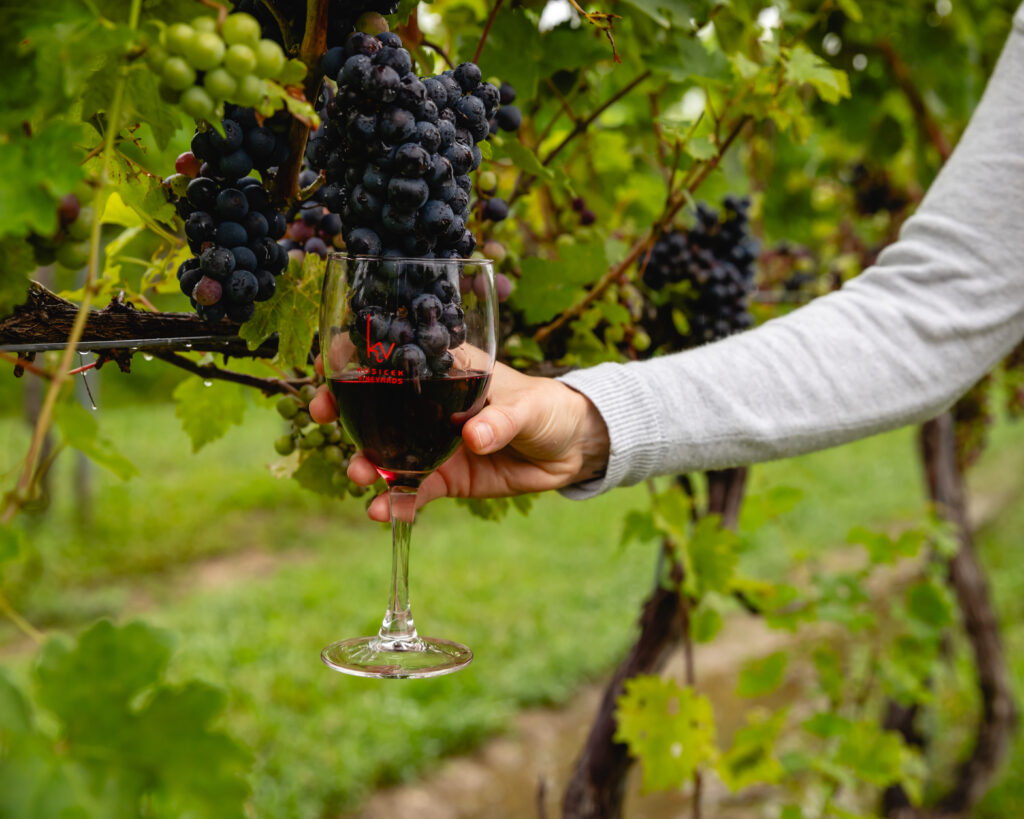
x=292, y=313
x=706, y=623
x=207, y=412
x=931, y=604
x=711, y=555
x=315, y=473
x=804, y=66
x=751, y=759
x=75, y=680
x=637, y=526
x=18, y=263
x=15, y=712
x=81, y=431
x=548, y=287
x=671, y=730
x=760, y=677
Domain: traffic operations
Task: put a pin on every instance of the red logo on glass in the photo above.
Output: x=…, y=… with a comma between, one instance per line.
x=378, y=348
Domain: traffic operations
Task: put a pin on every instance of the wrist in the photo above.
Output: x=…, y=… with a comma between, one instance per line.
x=592, y=443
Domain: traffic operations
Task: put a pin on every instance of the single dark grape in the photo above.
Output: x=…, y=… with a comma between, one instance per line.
x=496, y=210
x=189, y=279
x=202, y=193
x=507, y=94
x=237, y=163
x=436, y=217
x=217, y=262
x=401, y=331
x=433, y=339
x=230, y=141
x=396, y=58
x=232, y=205
x=467, y=75
x=509, y=118
x=363, y=242
x=200, y=227
x=245, y=259
x=411, y=160
x=231, y=234
x=316, y=245
x=407, y=194
x=396, y=125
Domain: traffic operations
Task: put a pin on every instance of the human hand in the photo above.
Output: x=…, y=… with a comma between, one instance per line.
x=533, y=435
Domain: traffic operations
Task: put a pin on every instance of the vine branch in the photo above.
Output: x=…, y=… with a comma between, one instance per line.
x=268, y=386
x=487, y=30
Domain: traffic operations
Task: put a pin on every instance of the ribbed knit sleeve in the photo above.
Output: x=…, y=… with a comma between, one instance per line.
x=896, y=345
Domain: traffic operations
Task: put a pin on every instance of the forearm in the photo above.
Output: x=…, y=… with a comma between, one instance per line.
x=896, y=345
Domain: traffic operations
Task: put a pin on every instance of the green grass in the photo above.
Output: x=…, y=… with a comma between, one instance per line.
x=546, y=602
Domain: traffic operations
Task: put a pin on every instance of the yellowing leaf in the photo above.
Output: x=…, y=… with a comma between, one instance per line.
x=752, y=759
x=671, y=730
x=760, y=677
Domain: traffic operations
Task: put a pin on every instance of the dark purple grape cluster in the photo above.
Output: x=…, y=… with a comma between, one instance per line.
x=245, y=146
x=397, y=151
x=407, y=316
x=312, y=228
x=230, y=224
x=873, y=190
x=716, y=258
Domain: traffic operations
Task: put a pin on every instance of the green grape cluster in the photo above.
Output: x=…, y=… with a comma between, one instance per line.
x=204, y=64
x=327, y=440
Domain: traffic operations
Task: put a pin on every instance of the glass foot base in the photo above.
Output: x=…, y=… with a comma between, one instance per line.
x=397, y=659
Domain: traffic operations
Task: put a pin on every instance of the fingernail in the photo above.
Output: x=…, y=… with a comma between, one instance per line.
x=484, y=435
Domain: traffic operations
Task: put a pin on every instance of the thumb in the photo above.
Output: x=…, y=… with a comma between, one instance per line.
x=493, y=428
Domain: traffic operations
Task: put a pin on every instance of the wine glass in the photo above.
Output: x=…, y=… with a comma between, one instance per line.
x=408, y=360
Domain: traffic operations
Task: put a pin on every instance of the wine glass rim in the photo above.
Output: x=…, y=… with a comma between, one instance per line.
x=339, y=254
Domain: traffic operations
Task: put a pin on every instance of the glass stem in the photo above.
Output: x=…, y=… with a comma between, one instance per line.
x=398, y=631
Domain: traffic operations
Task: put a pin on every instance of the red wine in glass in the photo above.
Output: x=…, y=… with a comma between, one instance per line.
x=407, y=427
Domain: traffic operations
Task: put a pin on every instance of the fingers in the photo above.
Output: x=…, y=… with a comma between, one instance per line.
x=493, y=428
x=361, y=471
x=318, y=365
x=322, y=408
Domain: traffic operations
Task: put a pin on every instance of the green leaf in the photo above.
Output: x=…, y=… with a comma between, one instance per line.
x=90, y=683
x=316, y=473
x=931, y=604
x=760, y=677
x=82, y=431
x=829, y=665
x=706, y=623
x=700, y=148
x=850, y=9
x=671, y=730
x=547, y=287
x=711, y=552
x=751, y=760
x=792, y=812
x=688, y=59
x=668, y=12
x=804, y=66
x=11, y=543
x=15, y=711
x=291, y=313
x=883, y=549
x=638, y=526
x=18, y=262
x=208, y=409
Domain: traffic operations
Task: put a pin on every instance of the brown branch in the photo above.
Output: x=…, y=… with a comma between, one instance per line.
x=582, y=125
x=618, y=270
x=487, y=30
x=901, y=73
x=45, y=318
x=268, y=386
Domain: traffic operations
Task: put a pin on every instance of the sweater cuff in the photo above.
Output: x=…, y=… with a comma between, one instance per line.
x=634, y=432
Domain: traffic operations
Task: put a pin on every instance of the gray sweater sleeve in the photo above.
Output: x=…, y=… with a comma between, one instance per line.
x=896, y=345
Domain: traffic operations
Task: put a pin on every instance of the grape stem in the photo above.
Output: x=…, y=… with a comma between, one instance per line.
x=487, y=30
x=282, y=25
x=268, y=386
x=25, y=364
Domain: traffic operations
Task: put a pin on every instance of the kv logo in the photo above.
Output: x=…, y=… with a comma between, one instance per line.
x=378, y=348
